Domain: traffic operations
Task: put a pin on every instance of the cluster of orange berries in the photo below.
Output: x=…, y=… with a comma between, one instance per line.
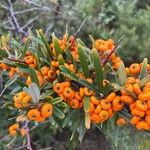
x=41, y=113
x=14, y=128
x=103, y=109
x=21, y=100
x=139, y=104
x=72, y=97
x=105, y=48
x=135, y=69
x=30, y=60
x=62, y=43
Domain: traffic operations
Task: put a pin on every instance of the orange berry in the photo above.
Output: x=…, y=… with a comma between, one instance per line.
x=147, y=119
x=105, y=104
x=130, y=80
x=120, y=121
x=44, y=70
x=148, y=104
x=137, y=112
x=29, y=59
x=127, y=99
x=94, y=100
x=95, y=118
x=134, y=68
x=74, y=103
x=81, y=91
x=110, y=97
x=134, y=120
x=34, y=114
x=91, y=108
x=142, y=125
x=98, y=109
x=46, y=110
x=144, y=96
x=136, y=89
x=141, y=105
x=77, y=96
x=104, y=115
x=52, y=74
x=117, y=104
x=87, y=92
x=68, y=93
x=58, y=88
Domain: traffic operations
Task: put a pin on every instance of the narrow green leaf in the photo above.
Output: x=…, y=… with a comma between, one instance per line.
x=67, y=118
x=98, y=69
x=87, y=120
x=52, y=121
x=86, y=103
x=8, y=83
x=143, y=69
x=122, y=75
x=57, y=48
x=83, y=60
x=34, y=92
x=58, y=113
x=46, y=44
x=3, y=54
x=66, y=72
x=33, y=76
x=25, y=48
x=46, y=94
x=75, y=128
x=144, y=80
x=61, y=60
x=56, y=100
x=82, y=130
x=92, y=39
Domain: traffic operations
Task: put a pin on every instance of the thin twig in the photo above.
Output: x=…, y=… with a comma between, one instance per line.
x=80, y=27
x=29, y=22
x=15, y=60
x=112, y=51
x=28, y=136
x=26, y=11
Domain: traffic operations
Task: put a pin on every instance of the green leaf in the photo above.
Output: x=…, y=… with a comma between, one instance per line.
x=82, y=130
x=34, y=92
x=92, y=39
x=87, y=120
x=61, y=60
x=3, y=54
x=86, y=103
x=57, y=48
x=46, y=94
x=46, y=44
x=52, y=121
x=83, y=60
x=143, y=69
x=66, y=72
x=75, y=128
x=26, y=90
x=58, y=113
x=67, y=118
x=98, y=69
x=8, y=83
x=144, y=80
x=122, y=76
x=56, y=100
x=25, y=48
x=33, y=76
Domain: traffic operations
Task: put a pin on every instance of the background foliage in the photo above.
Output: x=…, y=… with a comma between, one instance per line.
x=101, y=19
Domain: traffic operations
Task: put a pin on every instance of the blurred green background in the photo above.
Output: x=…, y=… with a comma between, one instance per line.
x=99, y=18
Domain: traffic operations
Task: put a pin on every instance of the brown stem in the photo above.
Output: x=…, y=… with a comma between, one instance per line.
x=112, y=51
x=15, y=60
